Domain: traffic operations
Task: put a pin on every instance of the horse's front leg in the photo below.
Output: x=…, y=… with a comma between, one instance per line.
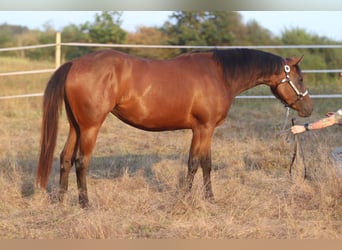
x=206, y=168
x=194, y=159
x=200, y=155
x=193, y=164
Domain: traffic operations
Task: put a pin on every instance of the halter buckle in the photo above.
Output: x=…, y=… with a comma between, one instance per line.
x=287, y=68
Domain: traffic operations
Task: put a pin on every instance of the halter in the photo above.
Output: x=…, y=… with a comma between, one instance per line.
x=299, y=94
x=287, y=70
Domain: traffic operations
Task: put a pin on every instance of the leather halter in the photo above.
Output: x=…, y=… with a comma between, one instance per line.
x=287, y=70
x=287, y=79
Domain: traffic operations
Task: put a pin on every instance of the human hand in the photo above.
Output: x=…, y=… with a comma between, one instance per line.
x=296, y=129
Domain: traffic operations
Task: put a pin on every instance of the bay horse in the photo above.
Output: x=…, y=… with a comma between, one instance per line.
x=191, y=91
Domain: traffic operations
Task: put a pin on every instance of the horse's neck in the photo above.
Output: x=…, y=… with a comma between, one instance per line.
x=247, y=83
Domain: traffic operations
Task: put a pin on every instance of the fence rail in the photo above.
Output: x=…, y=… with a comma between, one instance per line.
x=158, y=46
x=20, y=96
x=58, y=45
x=27, y=72
x=28, y=47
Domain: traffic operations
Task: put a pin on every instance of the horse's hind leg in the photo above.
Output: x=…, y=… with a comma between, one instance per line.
x=67, y=159
x=86, y=146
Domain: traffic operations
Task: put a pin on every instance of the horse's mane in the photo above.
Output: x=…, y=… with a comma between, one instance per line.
x=247, y=63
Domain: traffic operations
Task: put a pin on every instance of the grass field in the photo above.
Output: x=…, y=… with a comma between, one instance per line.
x=134, y=178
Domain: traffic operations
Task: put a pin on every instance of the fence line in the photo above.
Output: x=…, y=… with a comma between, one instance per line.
x=20, y=96
x=27, y=72
x=58, y=45
x=28, y=47
x=319, y=46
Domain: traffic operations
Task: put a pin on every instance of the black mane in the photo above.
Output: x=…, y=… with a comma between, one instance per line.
x=247, y=63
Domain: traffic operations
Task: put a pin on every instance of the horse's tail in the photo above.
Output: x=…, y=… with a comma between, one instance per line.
x=52, y=104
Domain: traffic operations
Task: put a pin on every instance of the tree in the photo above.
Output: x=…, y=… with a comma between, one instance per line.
x=106, y=28
x=148, y=36
x=8, y=35
x=257, y=35
x=205, y=28
x=187, y=29
x=74, y=33
x=48, y=35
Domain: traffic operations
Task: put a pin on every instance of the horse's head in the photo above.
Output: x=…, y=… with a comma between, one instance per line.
x=290, y=89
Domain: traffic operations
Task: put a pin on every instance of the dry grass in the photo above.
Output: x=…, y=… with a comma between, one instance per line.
x=135, y=177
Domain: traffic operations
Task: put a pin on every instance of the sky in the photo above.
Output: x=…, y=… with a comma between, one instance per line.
x=323, y=23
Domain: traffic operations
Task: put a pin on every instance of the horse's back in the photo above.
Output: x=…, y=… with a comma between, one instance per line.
x=149, y=94
x=173, y=94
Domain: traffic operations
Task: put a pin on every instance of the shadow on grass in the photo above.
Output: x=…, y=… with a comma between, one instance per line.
x=108, y=167
x=19, y=169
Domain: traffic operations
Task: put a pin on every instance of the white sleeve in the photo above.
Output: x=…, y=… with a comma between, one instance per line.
x=338, y=115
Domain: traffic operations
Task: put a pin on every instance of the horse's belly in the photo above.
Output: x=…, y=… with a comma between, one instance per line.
x=159, y=119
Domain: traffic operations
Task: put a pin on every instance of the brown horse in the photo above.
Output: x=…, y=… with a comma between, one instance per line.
x=192, y=91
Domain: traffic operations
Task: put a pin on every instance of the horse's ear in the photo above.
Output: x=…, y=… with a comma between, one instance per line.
x=295, y=60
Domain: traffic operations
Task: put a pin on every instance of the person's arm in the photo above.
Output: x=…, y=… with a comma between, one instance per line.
x=322, y=123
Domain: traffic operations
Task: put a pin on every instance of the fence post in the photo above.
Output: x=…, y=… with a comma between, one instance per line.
x=58, y=49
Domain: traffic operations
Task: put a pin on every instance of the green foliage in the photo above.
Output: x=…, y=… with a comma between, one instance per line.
x=202, y=28
x=148, y=36
x=213, y=28
x=74, y=33
x=106, y=28
x=257, y=35
x=9, y=32
x=46, y=37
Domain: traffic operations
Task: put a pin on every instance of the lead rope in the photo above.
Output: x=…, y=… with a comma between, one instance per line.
x=297, y=145
x=284, y=130
x=287, y=112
